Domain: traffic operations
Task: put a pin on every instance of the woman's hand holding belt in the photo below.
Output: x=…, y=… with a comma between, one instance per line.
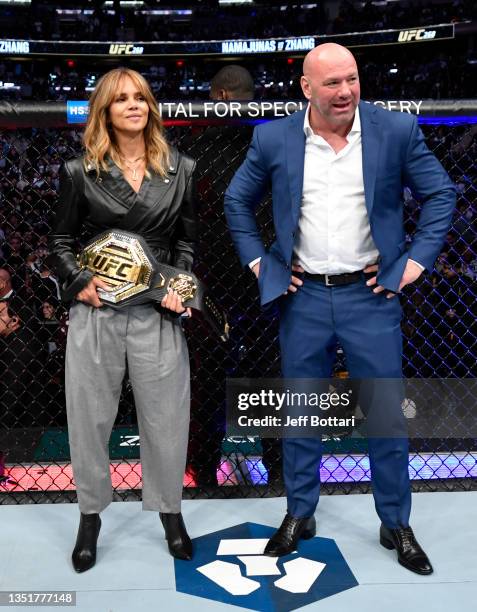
x=173, y=301
x=88, y=294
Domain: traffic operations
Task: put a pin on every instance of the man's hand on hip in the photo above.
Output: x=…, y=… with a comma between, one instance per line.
x=411, y=273
x=295, y=281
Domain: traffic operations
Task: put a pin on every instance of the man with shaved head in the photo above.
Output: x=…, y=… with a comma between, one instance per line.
x=337, y=171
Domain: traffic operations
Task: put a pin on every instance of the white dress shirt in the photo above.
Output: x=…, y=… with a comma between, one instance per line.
x=333, y=234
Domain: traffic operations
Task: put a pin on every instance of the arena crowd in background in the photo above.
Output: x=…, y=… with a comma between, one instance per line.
x=437, y=72
x=429, y=74
x=261, y=19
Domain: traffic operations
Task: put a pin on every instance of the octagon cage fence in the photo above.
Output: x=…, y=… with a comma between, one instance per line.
x=439, y=324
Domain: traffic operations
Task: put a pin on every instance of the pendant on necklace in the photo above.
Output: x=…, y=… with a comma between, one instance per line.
x=134, y=175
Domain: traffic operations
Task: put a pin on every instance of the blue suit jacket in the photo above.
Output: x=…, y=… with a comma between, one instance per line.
x=394, y=155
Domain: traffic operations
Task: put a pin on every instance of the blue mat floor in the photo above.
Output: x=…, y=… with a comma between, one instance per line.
x=134, y=571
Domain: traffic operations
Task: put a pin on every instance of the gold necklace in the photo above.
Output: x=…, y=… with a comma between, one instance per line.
x=134, y=170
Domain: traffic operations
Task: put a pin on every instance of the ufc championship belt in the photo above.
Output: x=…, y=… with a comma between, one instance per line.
x=125, y=261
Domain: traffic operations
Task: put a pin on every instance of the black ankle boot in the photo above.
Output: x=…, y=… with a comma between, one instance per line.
x=180, y=545
x=84, y=553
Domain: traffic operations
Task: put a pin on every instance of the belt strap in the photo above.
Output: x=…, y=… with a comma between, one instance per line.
x=192, y=291
x=332, y=280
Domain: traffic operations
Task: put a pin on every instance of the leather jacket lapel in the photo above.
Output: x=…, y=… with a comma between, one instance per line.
x=152, y=193
x=118, y=188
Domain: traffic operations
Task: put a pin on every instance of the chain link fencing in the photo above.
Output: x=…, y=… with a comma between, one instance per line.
x=439, y=329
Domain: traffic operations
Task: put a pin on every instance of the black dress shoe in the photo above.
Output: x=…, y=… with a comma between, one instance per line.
x=180, y=545
x=410, y=554
x=285, y=539
x=84, y=553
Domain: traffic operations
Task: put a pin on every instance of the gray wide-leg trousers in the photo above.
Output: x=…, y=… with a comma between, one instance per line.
x=100, y=341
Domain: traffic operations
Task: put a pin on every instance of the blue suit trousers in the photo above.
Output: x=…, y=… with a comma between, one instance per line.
x=368, y=327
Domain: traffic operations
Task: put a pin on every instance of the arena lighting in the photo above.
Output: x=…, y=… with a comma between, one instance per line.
x=137, y=12
x=451, y=121
x=290, y=60
x=61, y=11
x=70, y=63
x=179, y=63
x=143, y=11
x=129, y=3
x=225, y=2
x=74, y=11
x=285, y=7
x=393, y=70
x=354, y=467
x=165, y=12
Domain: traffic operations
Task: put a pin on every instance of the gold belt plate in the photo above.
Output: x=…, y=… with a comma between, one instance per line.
x=183, y=285
x=121, y=262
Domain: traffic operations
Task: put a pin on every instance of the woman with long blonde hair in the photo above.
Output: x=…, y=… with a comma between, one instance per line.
x=131, y=179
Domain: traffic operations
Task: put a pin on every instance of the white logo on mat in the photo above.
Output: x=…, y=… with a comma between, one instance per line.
x=300, y=573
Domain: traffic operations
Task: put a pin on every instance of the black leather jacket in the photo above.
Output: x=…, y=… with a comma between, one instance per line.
x=163, y=212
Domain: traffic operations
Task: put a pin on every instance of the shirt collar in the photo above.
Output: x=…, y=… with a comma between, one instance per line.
x=355, y=128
